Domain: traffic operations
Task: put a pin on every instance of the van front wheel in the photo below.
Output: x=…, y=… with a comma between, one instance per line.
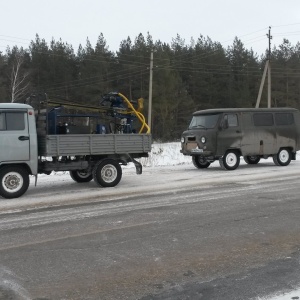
x=230, y=160
x=200, y=162
x=282, y=158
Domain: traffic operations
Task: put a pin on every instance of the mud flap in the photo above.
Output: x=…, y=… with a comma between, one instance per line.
x=138, y=166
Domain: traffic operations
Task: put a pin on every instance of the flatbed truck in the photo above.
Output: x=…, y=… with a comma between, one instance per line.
x=27, y=150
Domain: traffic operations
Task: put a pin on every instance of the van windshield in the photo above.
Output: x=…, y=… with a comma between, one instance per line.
x=204, y=121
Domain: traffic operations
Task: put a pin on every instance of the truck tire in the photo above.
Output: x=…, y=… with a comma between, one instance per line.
x=252, y=159
x=200, y=162
x=107, y=173
x=230, y=160
x=14, y=181
x=81, y=176
x=283, y=157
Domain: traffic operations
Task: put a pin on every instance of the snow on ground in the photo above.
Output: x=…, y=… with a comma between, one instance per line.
x=165, y=154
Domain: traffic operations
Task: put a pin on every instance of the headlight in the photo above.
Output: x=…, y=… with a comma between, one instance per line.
x=182, y=140
x=203, y=140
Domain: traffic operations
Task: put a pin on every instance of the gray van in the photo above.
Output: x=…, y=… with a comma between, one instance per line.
x=254, y=133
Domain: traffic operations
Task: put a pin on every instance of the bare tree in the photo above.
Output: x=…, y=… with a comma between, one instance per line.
x=18, y=78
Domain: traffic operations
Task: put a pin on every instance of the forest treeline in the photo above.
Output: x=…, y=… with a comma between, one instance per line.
x=186, y=78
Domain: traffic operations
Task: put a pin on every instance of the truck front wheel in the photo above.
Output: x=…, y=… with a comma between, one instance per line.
x=14, y=181
x=81, y=176
x=107, y=173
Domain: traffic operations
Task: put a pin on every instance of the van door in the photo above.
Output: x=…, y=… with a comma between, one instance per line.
x=230, y=133
x=14, y=136
x=264, y=133
x=249, y=143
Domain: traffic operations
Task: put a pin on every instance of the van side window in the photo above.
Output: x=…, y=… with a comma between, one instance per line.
x=12, y=121
x=284, y=118
x=263, y=119
x=232, y=120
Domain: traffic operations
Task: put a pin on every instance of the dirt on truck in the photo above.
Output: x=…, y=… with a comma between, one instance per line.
x=91, y=142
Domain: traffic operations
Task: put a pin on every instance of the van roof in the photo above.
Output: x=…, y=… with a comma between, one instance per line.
x=227, y=110
x=14, y=106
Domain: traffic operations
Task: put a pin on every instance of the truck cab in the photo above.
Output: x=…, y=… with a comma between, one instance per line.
x=18, y=147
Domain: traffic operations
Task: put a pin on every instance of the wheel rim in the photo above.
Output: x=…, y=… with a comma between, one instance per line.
x=109, y=173
x=231, y=159
x=12, y=182
x=284, y=156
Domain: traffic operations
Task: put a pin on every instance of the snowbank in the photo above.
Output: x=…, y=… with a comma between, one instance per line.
x=165, y=154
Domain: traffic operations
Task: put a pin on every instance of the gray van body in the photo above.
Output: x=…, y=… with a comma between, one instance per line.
x=254, y=133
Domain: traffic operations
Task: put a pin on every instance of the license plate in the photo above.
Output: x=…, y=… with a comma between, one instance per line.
x=197, y=150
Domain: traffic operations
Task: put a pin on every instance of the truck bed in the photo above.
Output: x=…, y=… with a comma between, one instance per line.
x=93, y=144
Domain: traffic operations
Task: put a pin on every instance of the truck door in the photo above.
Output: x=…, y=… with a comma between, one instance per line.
x=14, y=136
x=230, y=134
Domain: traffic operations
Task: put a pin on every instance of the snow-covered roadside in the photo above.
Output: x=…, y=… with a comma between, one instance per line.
x=165, y=154
x=284, y=296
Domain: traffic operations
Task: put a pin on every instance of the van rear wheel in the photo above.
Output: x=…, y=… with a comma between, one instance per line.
x=283, y=157
x=252, y=159
x=230, y=160
x=200, y=162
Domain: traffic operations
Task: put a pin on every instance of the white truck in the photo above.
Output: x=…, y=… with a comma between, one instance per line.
x=26, y=150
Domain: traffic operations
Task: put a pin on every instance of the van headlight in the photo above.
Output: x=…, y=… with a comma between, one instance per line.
x=182, y=139
x=203, y=140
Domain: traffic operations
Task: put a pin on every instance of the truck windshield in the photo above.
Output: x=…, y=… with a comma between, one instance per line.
x=204, y=121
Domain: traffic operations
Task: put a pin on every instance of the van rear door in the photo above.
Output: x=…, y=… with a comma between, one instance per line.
x=14, y=135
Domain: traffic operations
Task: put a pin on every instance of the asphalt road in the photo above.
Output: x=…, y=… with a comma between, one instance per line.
x=172, y=233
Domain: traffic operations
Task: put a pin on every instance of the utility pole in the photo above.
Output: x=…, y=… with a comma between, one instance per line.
x=267, y=68
x=150, y=91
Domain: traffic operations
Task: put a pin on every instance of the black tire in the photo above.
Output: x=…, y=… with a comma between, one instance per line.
x=200, y=162
x=14, y=181
x=81, y=176
x=283, y=157
x=252, y=159
x=107, y=173
x=230, y=160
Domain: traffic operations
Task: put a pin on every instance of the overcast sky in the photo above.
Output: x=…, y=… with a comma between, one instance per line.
x=221, y=20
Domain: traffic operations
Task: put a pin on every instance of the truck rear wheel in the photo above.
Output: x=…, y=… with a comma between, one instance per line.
x=200, y=162
x=81, y=176
x=14, y=181
x=107, y=173
x=282, y=158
